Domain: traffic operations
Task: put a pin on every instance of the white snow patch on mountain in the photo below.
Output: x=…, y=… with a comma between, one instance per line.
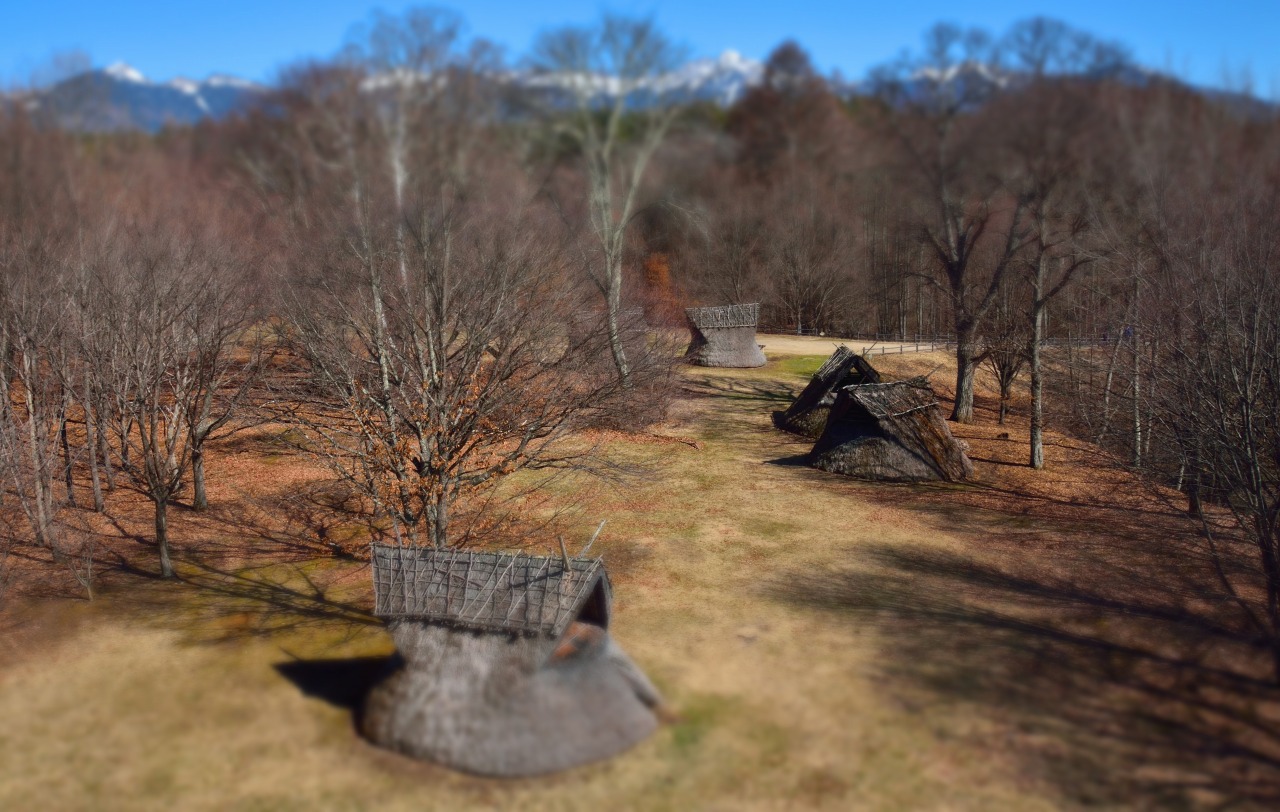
x=959, y=70
x=222, y=80
x=400, y=77
x=723, y=80
x=125, y=73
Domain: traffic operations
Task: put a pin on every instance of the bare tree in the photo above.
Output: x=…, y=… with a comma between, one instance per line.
x=409, y=66
x=473, y=377
x=1218, y=384
x=35, y=223
x=32, y=323
x=973, y=226
x=607, y=96
x=808, y=261
x=1052, y=121
x=6, y=574
x=36, y=485
x=232, y=350
x=433, y=312
x=730, y=257
x=1005, y=352
x=166, y=316
x=33, y=430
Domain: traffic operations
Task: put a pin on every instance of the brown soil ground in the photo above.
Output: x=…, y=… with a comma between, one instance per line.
x=1032, y=640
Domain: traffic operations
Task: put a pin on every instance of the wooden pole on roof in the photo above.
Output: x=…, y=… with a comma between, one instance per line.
x=594, y=536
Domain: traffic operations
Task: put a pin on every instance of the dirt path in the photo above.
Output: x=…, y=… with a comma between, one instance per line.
x=780, y=344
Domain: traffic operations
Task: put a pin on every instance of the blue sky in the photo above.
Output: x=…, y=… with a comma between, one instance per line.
x=1203, y=41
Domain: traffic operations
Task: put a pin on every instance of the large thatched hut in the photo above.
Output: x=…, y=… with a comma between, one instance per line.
x=504, y=663
x=890, y=431
x=807, y=416
x=724, y=336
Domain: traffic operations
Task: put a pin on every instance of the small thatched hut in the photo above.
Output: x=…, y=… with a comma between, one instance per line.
x=724, y=336
x=890, y=431
x=505, y=666
x=807, y=416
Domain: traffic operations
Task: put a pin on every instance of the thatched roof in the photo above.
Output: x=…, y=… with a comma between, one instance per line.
x=496, y=592
x=724, y=336
x=895, y=399
x=807, y=415
x=735, y=315
x=890, y=431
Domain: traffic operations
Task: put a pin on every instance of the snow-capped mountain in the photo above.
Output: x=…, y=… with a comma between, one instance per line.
x=119, y=97
x=722, y=81
x=966, y=84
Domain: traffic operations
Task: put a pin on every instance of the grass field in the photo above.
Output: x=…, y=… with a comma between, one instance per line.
x=826, y=644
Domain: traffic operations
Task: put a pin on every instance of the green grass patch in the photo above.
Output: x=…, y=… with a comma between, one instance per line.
x=800, y=365
x=699, y=714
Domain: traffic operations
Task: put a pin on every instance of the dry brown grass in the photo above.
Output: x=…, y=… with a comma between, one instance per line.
x=828, y=644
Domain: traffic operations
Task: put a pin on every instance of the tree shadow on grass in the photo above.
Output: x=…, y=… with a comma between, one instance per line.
x=741, y=419
x=992, y=461
x=740, y=389
x=318, y=520
x=1121, y=685
x=275, y=598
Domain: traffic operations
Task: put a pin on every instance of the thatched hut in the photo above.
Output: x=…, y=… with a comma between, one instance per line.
x=724, y=336
x=890, y=431
x=807, y=416
x=504, y=663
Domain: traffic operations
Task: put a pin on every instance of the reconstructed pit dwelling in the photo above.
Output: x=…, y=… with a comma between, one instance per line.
x=724, y=336
x=504, y=663
x=807, y=416
x=890, y=431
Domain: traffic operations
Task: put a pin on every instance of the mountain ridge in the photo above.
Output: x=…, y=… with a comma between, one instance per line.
x=119, y=97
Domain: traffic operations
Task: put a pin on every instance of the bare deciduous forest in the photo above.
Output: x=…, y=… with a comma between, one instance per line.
x=401, y=300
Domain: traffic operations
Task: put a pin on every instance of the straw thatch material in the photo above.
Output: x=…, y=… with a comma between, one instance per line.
x=493, y=592
x=505, y=666
x=807, y=416
x=890, y=431
x=724, y=336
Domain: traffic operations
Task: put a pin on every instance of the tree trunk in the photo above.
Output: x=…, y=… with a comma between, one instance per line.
x=91, y=445
x=1195, y=507
x=613, y=306
x=1137, y=402
x=199, y=499
x=42, y=484
x=965, y=351
x=1108, y=379
x=104, y=449
x=162, y=538
x=1037, y=388
x=440, y=522
x=67, y=472
x=1271, y=570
